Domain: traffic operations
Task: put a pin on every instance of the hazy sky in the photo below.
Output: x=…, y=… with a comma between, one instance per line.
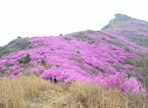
x=53, y=17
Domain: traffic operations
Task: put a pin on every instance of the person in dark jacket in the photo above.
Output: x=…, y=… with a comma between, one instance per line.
x=55, y=80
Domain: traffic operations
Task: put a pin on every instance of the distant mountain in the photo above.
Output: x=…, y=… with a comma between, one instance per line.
x=134, y=29
x=114, y=56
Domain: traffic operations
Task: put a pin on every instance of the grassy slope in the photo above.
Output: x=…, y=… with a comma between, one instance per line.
x=33, y=92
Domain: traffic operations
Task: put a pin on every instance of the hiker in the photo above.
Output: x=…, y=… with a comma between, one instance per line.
x=55, y=80
x=50, y=78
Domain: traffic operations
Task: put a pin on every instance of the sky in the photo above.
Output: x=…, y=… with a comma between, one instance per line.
x=28, y=18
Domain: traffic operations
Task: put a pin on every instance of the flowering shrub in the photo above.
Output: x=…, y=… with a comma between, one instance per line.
x=38, y=70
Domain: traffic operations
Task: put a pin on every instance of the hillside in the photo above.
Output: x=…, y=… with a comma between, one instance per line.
x=94, y=69
x=102, y=57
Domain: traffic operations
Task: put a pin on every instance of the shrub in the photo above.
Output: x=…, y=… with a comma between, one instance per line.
x=25, y=60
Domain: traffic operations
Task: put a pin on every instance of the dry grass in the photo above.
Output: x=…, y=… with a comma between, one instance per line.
x=33, y=92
